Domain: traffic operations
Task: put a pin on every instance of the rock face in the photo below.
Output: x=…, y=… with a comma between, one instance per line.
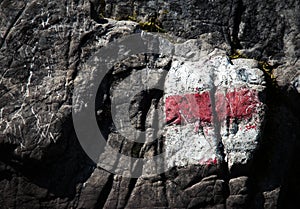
x=219, y=109
x=231, y=125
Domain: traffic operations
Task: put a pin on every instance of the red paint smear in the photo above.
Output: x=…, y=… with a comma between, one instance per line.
x=248, y=127
x=190, y=108
x=172, y=109
x=242, y=103
x=221, y=106
x=196, y=126
x=209, y=162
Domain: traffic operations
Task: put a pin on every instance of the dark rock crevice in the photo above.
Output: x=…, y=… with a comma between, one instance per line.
x=216, y=123
x=237, y=12
x=131, y=186
x=104, y=193
x=277, y=153
x=12, y=24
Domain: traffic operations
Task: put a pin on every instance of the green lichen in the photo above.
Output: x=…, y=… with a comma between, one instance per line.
x=237, y=54
x=101, y=15
x=165, y=12
x=102, y=9
x=269, y=73
x=151, y=26
x=133, y=17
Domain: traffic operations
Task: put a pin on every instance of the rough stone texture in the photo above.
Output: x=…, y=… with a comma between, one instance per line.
x=239, y=185
x=271, y=198
x=239, y=193
x=43, y=46
x=216, y=104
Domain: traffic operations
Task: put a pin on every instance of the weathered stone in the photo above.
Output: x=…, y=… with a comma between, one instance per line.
x=205, y=193
x=237, y=201
x=271, y=199
x=95, y=190
x=212, y=102
x=288, y=75
x=238, y=186
x=147, y=194
x=43, y=46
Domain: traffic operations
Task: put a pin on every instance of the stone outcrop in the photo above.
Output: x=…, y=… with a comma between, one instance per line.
x=250, y=47
x=220, y=108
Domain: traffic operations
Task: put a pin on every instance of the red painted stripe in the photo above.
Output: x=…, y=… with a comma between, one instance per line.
x=209, y=162
x=189, y=108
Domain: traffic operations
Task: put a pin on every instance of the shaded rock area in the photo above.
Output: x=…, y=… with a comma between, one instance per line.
x=44, y=46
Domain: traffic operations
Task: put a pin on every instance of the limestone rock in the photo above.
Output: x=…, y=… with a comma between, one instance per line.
x=44, y=46
x=212, y=103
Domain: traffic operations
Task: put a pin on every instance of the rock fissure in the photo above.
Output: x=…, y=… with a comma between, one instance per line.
x=216, y=122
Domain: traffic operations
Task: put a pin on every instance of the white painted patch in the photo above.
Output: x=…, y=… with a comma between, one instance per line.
x=186, y=146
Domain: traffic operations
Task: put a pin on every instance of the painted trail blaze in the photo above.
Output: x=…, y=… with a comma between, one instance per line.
x=188, y=108
x=213, y=110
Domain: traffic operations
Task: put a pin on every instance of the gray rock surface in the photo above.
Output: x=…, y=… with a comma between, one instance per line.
x=43, y=48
